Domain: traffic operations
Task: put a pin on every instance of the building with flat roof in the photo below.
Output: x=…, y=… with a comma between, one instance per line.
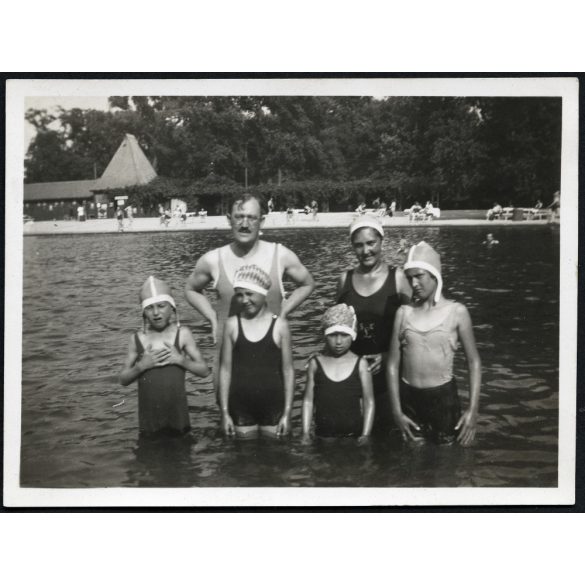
x=58, y=200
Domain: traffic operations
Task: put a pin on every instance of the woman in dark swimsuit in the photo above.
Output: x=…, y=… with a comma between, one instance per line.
x=375, y=290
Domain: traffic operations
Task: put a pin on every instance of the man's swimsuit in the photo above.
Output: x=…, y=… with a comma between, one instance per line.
x=162, y=401
x=338, y=405
x=257, y=389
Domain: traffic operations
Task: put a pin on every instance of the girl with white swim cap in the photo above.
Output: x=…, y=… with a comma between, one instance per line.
x=158, y=357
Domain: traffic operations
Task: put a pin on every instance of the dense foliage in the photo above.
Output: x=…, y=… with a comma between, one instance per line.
x=458, y=151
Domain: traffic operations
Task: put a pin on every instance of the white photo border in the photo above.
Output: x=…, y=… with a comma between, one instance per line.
x=17, y=90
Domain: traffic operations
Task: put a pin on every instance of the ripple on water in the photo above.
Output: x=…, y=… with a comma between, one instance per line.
x=74, y=345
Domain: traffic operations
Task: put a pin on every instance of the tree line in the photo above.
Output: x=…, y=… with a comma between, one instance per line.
x=460, y=152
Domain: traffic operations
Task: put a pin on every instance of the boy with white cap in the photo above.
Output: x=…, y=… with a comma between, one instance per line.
x=339, y=383
x=158, y=357
x=424, y=339
x=256, y=375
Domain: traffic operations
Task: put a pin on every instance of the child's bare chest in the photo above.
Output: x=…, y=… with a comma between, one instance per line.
x=429, y=320
x=154, y=340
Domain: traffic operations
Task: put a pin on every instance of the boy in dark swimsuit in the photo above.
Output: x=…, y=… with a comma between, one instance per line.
x=339, y=383
x=158, y=357
x=256, y=375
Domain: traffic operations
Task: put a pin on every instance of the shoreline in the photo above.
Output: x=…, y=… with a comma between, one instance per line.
x=275, y=220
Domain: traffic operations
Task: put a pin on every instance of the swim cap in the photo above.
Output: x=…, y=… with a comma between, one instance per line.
x=370, y=221
x=253, y=278
x=340, y=319
x=155, y=291
x=423, y=256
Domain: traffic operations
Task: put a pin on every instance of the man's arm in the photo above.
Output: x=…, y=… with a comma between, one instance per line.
x=300, y=276
x=197, y=281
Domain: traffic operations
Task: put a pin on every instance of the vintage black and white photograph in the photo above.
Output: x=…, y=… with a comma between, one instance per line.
x=282, y=292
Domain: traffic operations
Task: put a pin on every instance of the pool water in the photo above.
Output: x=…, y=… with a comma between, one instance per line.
x=80, y=307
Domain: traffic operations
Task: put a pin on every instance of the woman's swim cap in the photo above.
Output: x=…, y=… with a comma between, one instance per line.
x=155, y=291
x=252, y=277
x=423, y=256
x=370, y=221
x=340, y=319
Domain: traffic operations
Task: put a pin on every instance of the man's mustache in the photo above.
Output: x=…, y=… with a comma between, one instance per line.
x=245, y=230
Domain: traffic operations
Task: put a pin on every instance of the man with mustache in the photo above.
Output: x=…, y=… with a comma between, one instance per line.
x=218, y=267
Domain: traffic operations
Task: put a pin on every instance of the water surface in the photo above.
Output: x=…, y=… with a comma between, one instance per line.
x=80, y=306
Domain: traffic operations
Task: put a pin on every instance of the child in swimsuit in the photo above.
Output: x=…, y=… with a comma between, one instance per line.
x=339, y=384
x=158, y=357
x=256, y=375
x=425, y=403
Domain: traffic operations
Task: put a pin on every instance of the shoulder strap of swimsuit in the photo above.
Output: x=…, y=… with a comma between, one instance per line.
x=347, y=283
x=318, y=362
x=390, y=283
x=270, y=332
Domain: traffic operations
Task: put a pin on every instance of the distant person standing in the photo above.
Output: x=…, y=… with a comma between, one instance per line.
x=130, y=215
x=120, y=219
x=314, y=209
x=392, y=208
x=270, y=205
x=81, y=213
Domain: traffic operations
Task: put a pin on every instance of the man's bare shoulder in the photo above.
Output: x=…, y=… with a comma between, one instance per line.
x=211, y=258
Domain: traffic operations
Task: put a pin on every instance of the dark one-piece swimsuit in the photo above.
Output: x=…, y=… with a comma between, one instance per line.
x=162, y=400
x=338, y=406
x=257, y=388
